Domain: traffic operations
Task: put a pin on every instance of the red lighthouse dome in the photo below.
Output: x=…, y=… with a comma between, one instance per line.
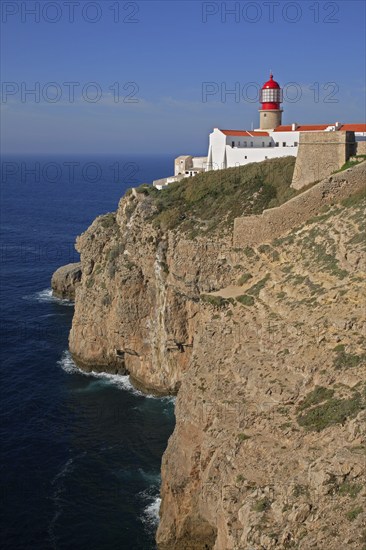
x=271, y=94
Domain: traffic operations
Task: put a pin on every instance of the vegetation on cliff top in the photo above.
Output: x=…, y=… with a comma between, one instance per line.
x=214, y=199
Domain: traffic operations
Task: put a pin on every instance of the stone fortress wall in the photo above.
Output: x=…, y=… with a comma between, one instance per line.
x=361, y=148
x=274, y=222
x=320, y=154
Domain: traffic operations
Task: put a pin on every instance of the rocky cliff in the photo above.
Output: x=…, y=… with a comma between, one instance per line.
x=263, y=343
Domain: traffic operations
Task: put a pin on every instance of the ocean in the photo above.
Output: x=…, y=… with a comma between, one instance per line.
x=81, y=453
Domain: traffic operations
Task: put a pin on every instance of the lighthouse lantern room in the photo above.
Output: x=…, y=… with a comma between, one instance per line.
x=270, y=114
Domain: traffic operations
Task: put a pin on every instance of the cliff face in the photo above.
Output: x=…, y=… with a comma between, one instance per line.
x=136, y=309
x=264, y=344
x=268, y=450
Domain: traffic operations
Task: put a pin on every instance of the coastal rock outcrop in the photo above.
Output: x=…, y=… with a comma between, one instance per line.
x=264, y=344
x=136, y=309
x=65, y=280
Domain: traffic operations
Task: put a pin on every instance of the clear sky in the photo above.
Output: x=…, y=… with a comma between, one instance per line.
x=172, y=64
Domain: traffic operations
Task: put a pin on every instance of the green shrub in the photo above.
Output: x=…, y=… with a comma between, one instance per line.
x=244, y=278
x=111, y=270
x=360, y=238
x=115, y=251
x=89, y=282
x=146, y=189
x=245, y=300
x=333, y=411
x=352, y=514
x=346, y=360
x=262, y=505
x=249, y=252
x=214, y=199
x=216, y=301
x=108, y=220
x=255, y=289
x=348, y=164
x=243, y=437
x=318, y=395
x=349, y=489
x=355, y=199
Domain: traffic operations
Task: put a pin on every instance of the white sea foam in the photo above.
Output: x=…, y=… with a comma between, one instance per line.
x=153, y=478
x=121, y=381
x=57, y=499
x=66, y=468
x=150, y=516
x=46, y=296
x=67, y=364
x=57, y=496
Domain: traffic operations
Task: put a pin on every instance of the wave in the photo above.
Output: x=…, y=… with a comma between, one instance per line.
x=120, y=380
x=58, y=484
x=153, y=478
x=151, y=512
x=150, y=515
x=46, y=296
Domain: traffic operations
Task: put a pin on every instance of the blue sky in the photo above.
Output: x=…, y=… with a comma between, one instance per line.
x=163, y=53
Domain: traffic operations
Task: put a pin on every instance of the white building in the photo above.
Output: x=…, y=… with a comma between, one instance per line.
x=230, y=148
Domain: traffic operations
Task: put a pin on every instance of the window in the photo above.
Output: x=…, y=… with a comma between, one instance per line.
x=245, y=143
x=296, y=144
x=277, y=144
x=245, y=157
x=238, y=143
x=251, y=144
x=232, y=143
x=262, y=143
x=270, y=144
x=284, y=144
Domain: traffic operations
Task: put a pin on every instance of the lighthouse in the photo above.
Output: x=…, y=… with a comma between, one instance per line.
x=270, y=113
x=238, y=147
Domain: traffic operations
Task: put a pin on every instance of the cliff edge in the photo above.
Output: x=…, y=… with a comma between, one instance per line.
x=263, y=342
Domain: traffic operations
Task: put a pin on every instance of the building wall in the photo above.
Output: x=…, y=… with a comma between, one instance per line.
x=199, y=162
x=255, y=230
x=320, y=154
x=181, y=164
x=242, y=156
x=222, y=155
x=216, y=151
x=290, y=138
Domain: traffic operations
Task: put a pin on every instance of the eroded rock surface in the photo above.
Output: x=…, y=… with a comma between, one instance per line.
x=65, y=281
x=265, y=345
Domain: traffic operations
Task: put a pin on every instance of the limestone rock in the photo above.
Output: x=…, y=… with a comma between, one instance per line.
x=268, y=448
x=65, y=281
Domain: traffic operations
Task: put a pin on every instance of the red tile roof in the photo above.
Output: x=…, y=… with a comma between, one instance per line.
x=244, y=133
x=320, y=127
x=353, y=127
x=302, y=128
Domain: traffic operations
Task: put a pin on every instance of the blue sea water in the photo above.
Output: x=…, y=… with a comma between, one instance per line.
x=81, y=453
